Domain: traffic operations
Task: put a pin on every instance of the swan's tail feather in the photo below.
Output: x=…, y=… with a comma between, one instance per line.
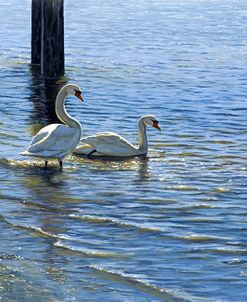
x=83, y=149
x=24, y=153
x=27, y=153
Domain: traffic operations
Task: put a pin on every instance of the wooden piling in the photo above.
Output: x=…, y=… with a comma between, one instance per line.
x=48, y=36
x=36, y=32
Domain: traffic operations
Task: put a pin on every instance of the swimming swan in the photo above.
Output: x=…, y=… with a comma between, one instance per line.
x=57, y=140
x=112, y=144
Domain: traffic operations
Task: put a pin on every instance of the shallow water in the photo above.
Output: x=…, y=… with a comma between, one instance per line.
x=169, y=227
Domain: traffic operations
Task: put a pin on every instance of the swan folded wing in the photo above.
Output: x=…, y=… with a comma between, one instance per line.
x=109, y=143
x=59, y=140
x=44, y=132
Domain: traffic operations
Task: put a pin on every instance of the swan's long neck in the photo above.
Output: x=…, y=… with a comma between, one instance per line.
x=62, y=113
x=142, y=135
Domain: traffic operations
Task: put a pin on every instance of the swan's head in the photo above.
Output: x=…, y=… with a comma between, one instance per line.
x=74, y=90
x=152, y=121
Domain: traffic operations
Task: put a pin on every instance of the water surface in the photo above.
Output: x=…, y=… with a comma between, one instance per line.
x=169, y=227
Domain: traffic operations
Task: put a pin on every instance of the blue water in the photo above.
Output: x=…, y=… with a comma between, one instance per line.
x=169, y=227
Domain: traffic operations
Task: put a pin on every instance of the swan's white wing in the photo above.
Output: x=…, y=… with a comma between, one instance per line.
x=110, y=138
x=109, y=143
x=54, y=141
x=43, y=133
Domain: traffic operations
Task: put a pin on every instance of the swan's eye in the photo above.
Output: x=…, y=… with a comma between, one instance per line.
x=77, y=92
x=155, y=121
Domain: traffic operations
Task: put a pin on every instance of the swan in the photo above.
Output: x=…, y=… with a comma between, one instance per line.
x=58, y=140
x=112, y=144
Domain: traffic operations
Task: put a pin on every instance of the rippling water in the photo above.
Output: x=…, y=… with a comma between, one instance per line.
x=169, y=227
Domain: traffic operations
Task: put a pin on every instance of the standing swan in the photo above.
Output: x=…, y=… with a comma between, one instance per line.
x=58, y=140
x=112, y=144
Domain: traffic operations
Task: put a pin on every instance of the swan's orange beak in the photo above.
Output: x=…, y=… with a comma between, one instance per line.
x=79, y=95
x=156, y=125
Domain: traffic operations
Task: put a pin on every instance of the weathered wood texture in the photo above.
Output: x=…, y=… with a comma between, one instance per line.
x=48, y=36
x=36, y=32
x=52, y=38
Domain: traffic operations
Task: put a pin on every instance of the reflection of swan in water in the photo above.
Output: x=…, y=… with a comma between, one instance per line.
x=52, y=179
x=58, y=140
x=30, y=175
x=143, y=171
x=45, y=189
x=112, y=144
x=138, y=164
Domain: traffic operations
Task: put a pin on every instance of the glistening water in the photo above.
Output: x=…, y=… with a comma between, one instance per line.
x=169, y=227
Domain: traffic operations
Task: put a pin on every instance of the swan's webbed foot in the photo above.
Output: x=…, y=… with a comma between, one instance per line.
x=90, y=153
x=46, y=163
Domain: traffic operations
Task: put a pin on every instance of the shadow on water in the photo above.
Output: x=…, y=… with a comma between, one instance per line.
x=43, y=94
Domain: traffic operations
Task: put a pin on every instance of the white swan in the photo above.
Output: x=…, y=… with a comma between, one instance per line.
x=112, y=144
x=57, y=140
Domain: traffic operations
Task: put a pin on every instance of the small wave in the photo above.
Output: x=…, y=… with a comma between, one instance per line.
x=40, y=231
x=194, y=206
x=221, y=190
x=8, y=135
x=227, y=156
x=157, y=200
x=10, y=257
x=228, y=251
x=235, y=261
x=189, y=154
x=47, y=234
x=17, y=163
x=44, y=207
x=220, y=250
x=96, y=219
x=9, y=197
x=162, y=293
x=202, y=206
x=205, y=220
x=182, y=188
x=90, y=252
x=36, y=205
x=201, y=237
x=220, y=142
x=171, y=145
x=27, y=164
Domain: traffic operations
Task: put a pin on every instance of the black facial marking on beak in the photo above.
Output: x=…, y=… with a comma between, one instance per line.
x=78, y=94
x=156, y=124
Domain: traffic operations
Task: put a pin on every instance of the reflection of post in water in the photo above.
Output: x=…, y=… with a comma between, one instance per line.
x=43, y=94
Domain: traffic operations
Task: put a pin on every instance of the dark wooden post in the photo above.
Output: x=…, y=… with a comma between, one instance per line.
x=36, y=32
x=48, y=36
x=52, y=38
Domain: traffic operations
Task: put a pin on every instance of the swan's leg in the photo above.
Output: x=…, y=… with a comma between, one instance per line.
x=46, y=163
x=90, y=153
x=61, y=164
